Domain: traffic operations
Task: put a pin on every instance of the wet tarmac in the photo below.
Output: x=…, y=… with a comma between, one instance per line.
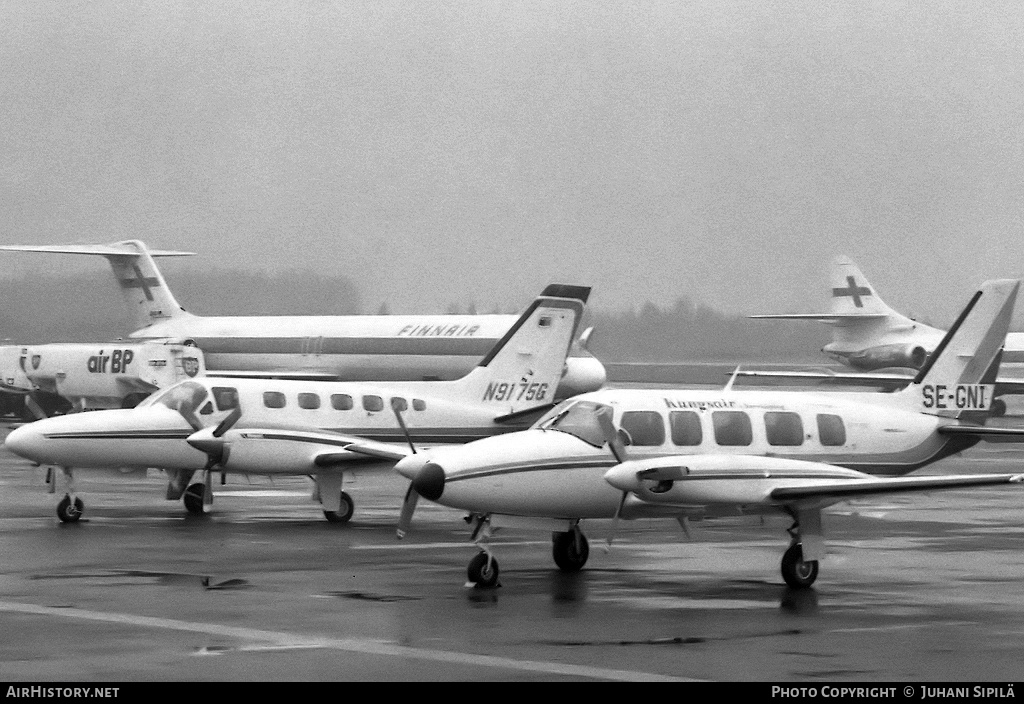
x=919, y=588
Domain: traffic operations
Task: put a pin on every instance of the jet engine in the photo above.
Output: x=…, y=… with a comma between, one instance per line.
x=912, y=356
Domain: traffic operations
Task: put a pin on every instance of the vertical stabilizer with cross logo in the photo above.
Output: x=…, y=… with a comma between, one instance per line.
x=145, y=292
x=852, y=293
x=524, y=367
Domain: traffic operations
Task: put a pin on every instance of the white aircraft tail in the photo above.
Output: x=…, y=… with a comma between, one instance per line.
x=522, y=370
x=145, y=292
x=958, y=380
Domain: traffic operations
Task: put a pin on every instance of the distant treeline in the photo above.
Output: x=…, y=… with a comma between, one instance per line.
x=88, y=308
x=689, y=332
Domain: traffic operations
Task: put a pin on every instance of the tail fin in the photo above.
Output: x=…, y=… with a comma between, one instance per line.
x=524, y=367
x=146, y=294
x=852, y=293
x=958, y=378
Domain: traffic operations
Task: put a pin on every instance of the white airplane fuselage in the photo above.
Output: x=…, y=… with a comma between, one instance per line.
x=154, y=434
x=357, y=347
x=554, y=474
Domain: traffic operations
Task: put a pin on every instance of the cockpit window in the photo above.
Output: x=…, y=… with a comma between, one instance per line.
x=187, y=395
x=577, y=418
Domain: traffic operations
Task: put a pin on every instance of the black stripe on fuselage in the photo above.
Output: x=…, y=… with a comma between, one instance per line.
x=122, y=435
x=372, y=346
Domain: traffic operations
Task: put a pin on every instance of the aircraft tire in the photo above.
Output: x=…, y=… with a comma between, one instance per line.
x=69, y=512
x=563, y=549
x=798, y=573
x=482, y=571
x=193, y=499
x=344, y=512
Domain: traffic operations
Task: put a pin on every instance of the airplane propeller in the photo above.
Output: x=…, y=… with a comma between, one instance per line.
x=215, y=447
x=618, y=450
x=411, y=495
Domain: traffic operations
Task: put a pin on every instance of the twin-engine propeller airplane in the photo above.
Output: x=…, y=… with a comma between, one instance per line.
x=694, y=454
x=319, y=429
x=315, y=347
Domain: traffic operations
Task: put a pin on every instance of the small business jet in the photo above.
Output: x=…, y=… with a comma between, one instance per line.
x=867, y=334
x=317, y=347
x=319, y=429
x=633, y=453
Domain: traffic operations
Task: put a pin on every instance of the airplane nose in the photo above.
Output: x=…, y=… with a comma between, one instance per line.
x=24, y=441
x=429, y=482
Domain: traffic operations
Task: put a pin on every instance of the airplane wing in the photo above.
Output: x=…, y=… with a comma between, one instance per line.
x=888, y=380
x=348, y=443
x=840, y=491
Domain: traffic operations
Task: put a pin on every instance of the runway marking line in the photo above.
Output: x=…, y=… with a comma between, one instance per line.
x=283, y=640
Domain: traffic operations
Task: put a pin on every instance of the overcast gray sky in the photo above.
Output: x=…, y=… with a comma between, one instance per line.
x=444, y=151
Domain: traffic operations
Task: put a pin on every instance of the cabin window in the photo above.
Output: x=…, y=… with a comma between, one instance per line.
x=783, y=428
x=732, y=428
x=419, y=404
x=399, y=404
x=341, y=402
x=226, y=397
x=643, y=427
x=373, y=403
x=207, y=409
x=831, y=430
x=685, y=428
x=273, y=399
x=309, y=401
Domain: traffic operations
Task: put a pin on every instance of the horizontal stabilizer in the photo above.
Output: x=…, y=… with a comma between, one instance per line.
x=983, y=432
x=845, y=490
x=831, y=318
x=525, y=413
x=106, y=250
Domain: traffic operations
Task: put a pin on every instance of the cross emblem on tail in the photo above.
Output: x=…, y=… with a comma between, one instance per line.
x=142, y=282
x=852, y=290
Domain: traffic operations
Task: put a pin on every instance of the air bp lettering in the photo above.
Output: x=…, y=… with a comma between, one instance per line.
x=114, y=363
x=961, y=397
x=516, y=391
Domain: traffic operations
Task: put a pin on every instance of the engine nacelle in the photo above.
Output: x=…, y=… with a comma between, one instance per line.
x=911, y=356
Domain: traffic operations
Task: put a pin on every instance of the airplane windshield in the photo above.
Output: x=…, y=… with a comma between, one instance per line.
x=577, y=418
x=184, y=396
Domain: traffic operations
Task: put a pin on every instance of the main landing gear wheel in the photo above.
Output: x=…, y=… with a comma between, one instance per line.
x=567, y=556
x=799, y=574
x=193, y=499
x=344, y=512
x=483, y=570
x=69, y=512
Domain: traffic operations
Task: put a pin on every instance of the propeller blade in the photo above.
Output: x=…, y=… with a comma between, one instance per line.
x=408, y=507
x=395, y=406
x=229, y=420
x=32, y=405
x=611, y=435
x=615, y=521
